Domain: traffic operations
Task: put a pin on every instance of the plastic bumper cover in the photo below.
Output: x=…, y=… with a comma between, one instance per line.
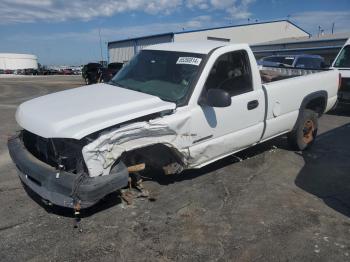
x=56, y=186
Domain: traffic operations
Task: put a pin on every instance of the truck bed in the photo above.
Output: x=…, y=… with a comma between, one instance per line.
x=272, y=74
x=283, y=96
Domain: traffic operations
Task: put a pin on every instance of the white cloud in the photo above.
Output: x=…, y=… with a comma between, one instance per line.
x=201, y=4
x=82, y=47
x=241, y=10
x=236, y=9
x=30, y=2
x=26, y=11
x=22, y=11
x=220, y=4
x=310, y=21
x=109, y=34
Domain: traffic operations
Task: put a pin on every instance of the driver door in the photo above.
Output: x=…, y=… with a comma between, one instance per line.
x=222, y=131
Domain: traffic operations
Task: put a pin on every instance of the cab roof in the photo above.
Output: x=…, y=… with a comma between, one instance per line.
x=200, y=47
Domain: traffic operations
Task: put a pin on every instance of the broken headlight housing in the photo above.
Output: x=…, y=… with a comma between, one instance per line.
x=61, y=153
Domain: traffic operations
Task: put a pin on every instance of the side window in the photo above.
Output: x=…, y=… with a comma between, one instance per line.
x=344, y=58
x=308, y=63
x=231, y=72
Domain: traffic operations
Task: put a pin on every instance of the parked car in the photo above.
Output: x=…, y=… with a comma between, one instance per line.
x=174, y=106
x=293, y=61
x=30, y=71
x=19, y=72
x=110, y=71
x=67, y=71
x=44, y=71
x=8, y=71
x=92, y=73
x=342, y=63
x=77, y=71
x=55, y=72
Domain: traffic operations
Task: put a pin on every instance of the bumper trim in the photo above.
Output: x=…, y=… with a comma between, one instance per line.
x=56, y=186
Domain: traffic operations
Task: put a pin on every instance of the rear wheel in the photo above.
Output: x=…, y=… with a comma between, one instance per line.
x=305, y=131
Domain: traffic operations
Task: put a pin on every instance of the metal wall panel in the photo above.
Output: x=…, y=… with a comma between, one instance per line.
x=251, y=33
x=144, y=42
x=123, y=51
x=120, y=51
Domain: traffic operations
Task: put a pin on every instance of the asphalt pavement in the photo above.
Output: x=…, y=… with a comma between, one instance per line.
x=267, y=203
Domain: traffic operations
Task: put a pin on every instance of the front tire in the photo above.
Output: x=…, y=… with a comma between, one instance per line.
x=304, y=133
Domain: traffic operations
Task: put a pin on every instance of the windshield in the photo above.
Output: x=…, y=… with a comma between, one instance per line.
x=343, y=58
x=165, y=74
x=286, y=60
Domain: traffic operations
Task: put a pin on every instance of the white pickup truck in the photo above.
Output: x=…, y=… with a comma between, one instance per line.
x=174, y=106
x=342, y=63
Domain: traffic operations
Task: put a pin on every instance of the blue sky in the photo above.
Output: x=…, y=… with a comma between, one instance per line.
x=67, y=31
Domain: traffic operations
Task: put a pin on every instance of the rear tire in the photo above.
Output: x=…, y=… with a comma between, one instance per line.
x=304, y=133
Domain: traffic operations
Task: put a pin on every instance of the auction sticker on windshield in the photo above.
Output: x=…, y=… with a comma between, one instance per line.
x=189, y=61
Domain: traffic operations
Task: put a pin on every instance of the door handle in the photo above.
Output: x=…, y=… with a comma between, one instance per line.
x=252, y=104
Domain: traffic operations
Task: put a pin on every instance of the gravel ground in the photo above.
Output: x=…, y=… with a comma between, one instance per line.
x=266, y=203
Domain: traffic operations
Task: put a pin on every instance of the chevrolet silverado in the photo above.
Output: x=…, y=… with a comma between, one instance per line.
x=174, y=106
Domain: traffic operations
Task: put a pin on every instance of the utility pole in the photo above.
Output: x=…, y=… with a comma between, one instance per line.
x=333, y=25
x=106, y=43
x=99, y=33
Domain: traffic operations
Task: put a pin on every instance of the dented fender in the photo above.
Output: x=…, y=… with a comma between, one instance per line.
x=172, y=131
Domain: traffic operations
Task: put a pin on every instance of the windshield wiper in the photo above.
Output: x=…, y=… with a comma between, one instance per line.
x=126, y=87
x=164, y=99
x=117, y=84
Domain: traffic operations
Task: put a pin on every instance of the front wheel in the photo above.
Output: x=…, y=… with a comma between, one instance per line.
x=304, y=133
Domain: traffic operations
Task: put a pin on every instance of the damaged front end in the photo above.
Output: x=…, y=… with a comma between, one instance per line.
x=78, y=173
x=55, y=170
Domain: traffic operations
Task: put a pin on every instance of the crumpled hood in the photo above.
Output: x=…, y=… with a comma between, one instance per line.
x=78, y=112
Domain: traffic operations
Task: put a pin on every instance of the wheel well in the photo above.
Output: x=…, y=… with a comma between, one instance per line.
x=154, y=156
x=317, y=104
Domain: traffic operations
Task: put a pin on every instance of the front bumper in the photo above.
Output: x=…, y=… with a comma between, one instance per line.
x=57, y=186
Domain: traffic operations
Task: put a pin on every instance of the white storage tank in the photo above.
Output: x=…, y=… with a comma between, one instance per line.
x=9, y=61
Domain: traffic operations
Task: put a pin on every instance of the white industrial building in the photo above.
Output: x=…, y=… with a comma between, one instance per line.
x=10, y=61
x=123, y=50
x=328, y=46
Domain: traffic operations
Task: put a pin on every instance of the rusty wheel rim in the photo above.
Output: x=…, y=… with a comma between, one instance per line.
x=308, y=131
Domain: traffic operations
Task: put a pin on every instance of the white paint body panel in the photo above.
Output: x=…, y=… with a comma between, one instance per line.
x=81, y=111
x=344, y=72
x=198, y=47
x=287, y=95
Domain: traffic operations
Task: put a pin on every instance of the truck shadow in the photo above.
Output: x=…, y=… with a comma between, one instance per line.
x=326, y=173
x=340, y=110
x=279, y=142
x=107, y=202
x=114, y=199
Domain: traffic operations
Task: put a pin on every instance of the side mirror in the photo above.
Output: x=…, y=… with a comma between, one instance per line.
x=216, y=98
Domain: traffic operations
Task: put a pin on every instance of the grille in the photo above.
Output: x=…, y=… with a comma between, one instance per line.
x=57, y=152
